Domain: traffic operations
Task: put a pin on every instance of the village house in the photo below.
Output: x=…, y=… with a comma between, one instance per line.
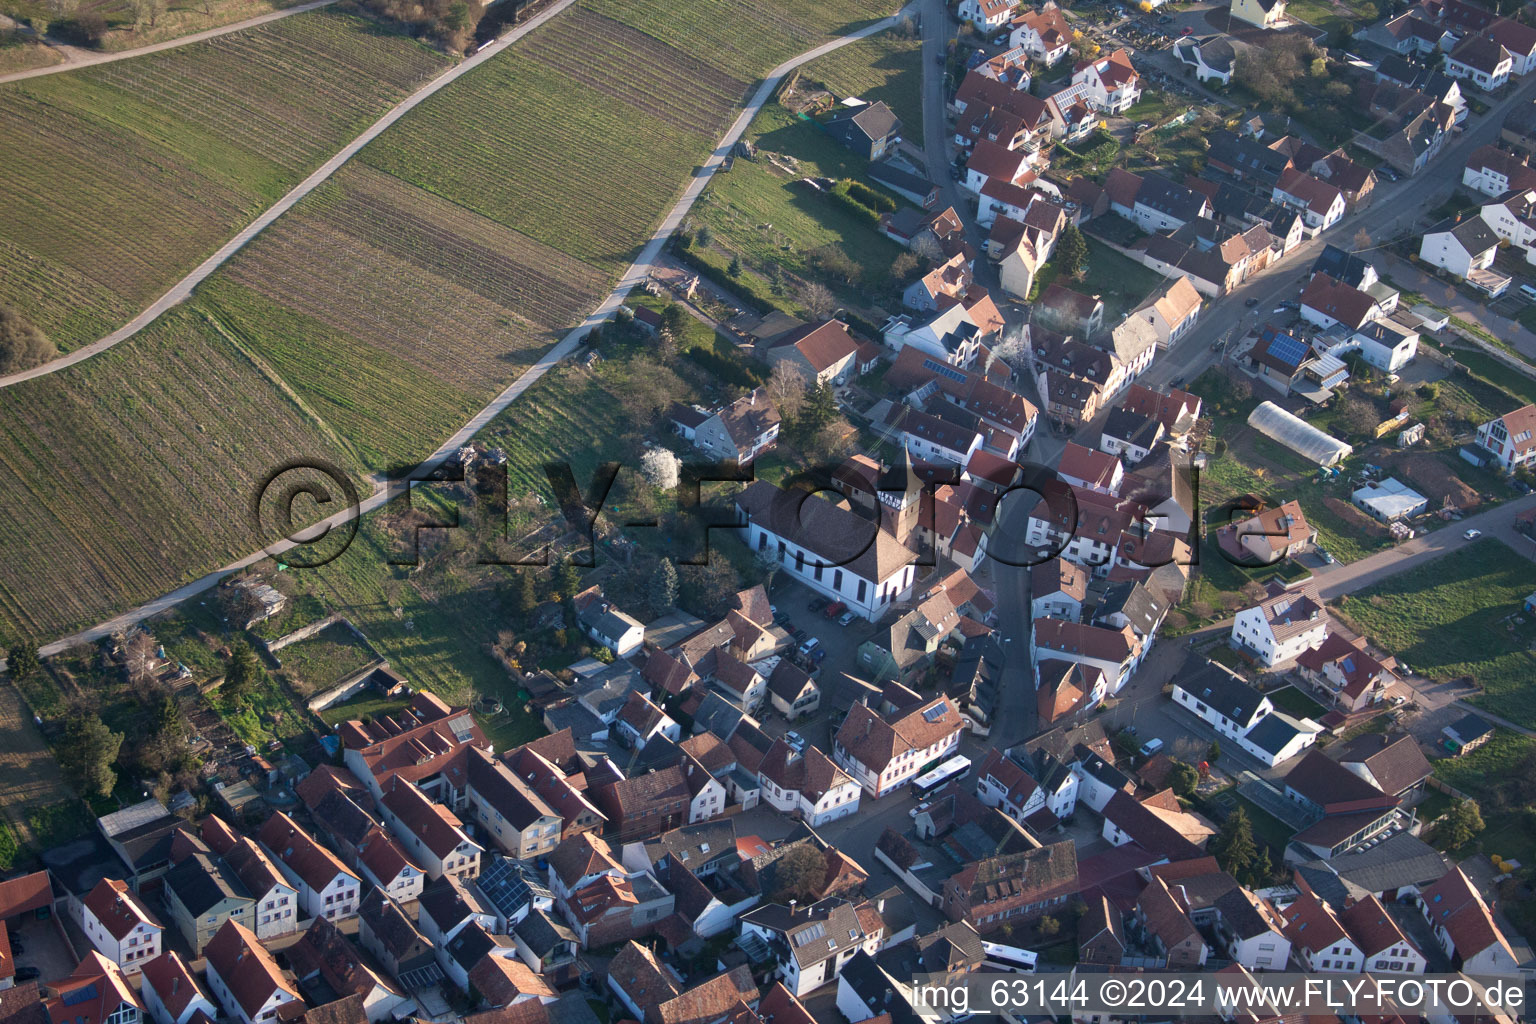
x=274, y=902
x=745, y=428
x=96, y=990
x=1282, y=625
x=884, y=752
x=1043, y=34
x=244, y=977
x=432, y=835
x=869, y=129
x=1384, y=949
x=1345, y=674
x=1464, y=926
x=1172, y=310
x=812, y=944
x=1481, y=61
x=604, y=622
x=1268, y=536
x=120, y=926
x=1114, y=652
x=986, y=15
x=201, y=894
x=1321, y=204
x=171, y=993
x=1210, y=57
x=822, y=353
x=641, y=721
x=1162, y=919
x=1466, y=247
x=1112, y=82
x=1260, y=13
x=1014, y=889
x=325, y=887
x=1510, y=440
x=1343, y=808
x=1319, y=940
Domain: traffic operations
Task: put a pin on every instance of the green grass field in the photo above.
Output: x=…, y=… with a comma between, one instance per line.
x=761, y=213
x=1453, y=617
x=323, y=660
x=121, y=178
x=1499, y=776
x=885, y=68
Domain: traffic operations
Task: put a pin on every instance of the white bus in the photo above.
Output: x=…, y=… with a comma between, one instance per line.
x=999, y=957
x=954, y=768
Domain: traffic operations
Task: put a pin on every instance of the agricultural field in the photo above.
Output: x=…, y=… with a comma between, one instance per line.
x=886, y=67
x=30, y=775
x=135, y=471
x=607, y=167
x=181, y=17
x=741, y=36
x=123, y=177
x=1455, y=616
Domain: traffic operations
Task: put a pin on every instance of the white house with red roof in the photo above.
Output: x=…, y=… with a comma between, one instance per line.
x=807, y=785
x=986, y=15
x=120, y=926
x=171, y=993
x=1384, y=949
x=326, y=887
x=1464, y=926
x=1043, y=34
x=1113, y=83
x=245, y=978
x=884, y=752
x=383, y=863
x=1320, y=204
x=1319, y=940
x=1285, y=623
x=1091, y=469
x=97, y=992
x=432, y=834
x=992, y=161
x=1510, y=439
x=274, y=902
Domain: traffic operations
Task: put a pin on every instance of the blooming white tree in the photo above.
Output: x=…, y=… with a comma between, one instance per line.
x=661, y=468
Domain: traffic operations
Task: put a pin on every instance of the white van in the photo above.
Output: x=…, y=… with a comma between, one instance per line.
x=1528, y=292
x=1151, y=747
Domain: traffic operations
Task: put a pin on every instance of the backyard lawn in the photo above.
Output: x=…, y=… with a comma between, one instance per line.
x=1501, y=777
x=884, y=67
x=1455, y=616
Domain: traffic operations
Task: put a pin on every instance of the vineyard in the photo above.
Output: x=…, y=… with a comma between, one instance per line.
x=120, y=178
x=744, y=37
x=605, y=168
x=364, y=326
x=134, y=472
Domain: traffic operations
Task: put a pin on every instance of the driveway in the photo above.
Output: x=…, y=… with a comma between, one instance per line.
x=1466, y=306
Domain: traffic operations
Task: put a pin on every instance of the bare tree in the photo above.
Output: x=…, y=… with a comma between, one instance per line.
x=1362, y=239
x=1012, y=348
x=139, y=657
x=926, y=246
x=786, y=386
x=818, y=300
x=661, y=468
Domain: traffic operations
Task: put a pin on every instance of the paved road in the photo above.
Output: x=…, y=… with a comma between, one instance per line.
x=183, y=288
x=637, y=273
x=90, y=58
x=938, y=29
x=1395, y=208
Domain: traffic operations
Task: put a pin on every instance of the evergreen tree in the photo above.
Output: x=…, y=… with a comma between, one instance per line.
x=735, y=268
x=21, y=661
x=86, y=754
x=1262, y=868
x=242, y=675
x=1214, y=753
x=527, y=597
x=567, y=579
x=1184, y=779
x=663, y=587
x=1071, y=251
x=1233, y=845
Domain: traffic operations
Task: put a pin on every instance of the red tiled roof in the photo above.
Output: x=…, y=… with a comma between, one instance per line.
x=118, y=908
x=246, y=967
x=289, y=843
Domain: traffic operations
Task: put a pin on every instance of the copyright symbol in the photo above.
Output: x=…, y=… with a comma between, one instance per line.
x=306, y=513
x=1113, y=992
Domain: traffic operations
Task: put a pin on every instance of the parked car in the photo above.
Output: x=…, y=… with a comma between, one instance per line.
x=1251, y=302
x=1188, y=31
x=1472, y=534
x=810, y=646
x=817, y=604
x=834, y=609
x=799, y=635
x=1151, y=747
x=846, y=619
x=1166, y=19
x=795, y=740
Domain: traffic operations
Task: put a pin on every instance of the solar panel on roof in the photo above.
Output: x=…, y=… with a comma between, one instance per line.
x=936, y=712
x=1287, y=349
x=934, y=366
